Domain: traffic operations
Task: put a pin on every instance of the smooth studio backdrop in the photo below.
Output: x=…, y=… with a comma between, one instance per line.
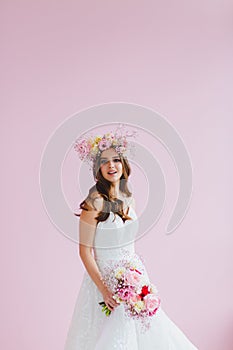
x=59, y=57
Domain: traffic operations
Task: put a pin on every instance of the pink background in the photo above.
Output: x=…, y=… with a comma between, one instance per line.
x=59, y=57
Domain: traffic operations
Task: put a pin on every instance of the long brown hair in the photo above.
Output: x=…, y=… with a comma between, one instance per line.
x=102, y=188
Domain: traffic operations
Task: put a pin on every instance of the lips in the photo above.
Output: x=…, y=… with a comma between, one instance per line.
x=112, y=172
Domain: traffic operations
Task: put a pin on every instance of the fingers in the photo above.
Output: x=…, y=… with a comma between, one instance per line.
x=109, y=300
x=111, y=303
x=110, y=307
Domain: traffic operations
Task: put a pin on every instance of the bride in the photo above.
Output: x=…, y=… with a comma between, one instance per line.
x=117, y=307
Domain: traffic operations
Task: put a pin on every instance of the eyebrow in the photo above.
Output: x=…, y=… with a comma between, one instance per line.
x=112, y=157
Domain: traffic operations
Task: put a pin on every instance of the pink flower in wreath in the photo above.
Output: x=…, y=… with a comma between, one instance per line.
x=120, y=149
x=151, y=303
x=83, y=148
x=125, y=143
x=104, y=144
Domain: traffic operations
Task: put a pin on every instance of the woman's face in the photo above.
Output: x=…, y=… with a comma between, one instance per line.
x=111, y=165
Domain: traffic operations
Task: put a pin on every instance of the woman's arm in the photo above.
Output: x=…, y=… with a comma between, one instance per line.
x=87, y=228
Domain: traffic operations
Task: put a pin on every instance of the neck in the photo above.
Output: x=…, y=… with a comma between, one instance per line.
x=115, y=190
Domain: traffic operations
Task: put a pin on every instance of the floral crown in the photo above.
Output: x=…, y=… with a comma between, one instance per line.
x=89, y=147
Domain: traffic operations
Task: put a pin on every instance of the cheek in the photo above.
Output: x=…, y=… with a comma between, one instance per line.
x=103, y=169
x=120, y=168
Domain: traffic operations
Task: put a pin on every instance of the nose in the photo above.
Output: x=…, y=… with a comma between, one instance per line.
x=111, y=164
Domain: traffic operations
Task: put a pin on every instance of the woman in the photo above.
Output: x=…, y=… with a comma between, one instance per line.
x=117, y=307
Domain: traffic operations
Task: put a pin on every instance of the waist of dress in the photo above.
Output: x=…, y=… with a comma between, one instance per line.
x=124, y=256
x=122, y=253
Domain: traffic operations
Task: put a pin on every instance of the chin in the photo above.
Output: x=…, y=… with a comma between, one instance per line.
x=110, y=179
x=113, y=180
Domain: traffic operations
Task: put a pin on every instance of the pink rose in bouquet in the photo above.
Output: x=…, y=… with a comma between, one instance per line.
x=151, y=303
x=125, y=293
x=133, y=277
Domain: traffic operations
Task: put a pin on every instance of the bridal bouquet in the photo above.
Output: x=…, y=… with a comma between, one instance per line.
x=130, y=286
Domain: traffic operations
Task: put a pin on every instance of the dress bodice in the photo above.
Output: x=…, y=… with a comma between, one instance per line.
x=113, y=237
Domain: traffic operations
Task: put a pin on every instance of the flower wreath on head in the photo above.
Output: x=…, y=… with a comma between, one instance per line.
x=89, y=147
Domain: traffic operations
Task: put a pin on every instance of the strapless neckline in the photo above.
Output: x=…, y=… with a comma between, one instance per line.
x=111, y=212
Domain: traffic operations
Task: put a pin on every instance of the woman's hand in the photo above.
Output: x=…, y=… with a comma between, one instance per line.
x=108, y=299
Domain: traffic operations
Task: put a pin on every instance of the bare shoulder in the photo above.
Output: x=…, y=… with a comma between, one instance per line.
x=92, y=206
x=94, y=202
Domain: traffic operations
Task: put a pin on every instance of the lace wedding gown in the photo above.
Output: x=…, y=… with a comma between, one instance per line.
x=91, y=329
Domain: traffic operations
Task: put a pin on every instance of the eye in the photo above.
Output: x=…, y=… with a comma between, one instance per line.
x=117, y=160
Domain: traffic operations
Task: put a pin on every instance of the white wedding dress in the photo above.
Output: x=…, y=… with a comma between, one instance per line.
x=91, y=329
